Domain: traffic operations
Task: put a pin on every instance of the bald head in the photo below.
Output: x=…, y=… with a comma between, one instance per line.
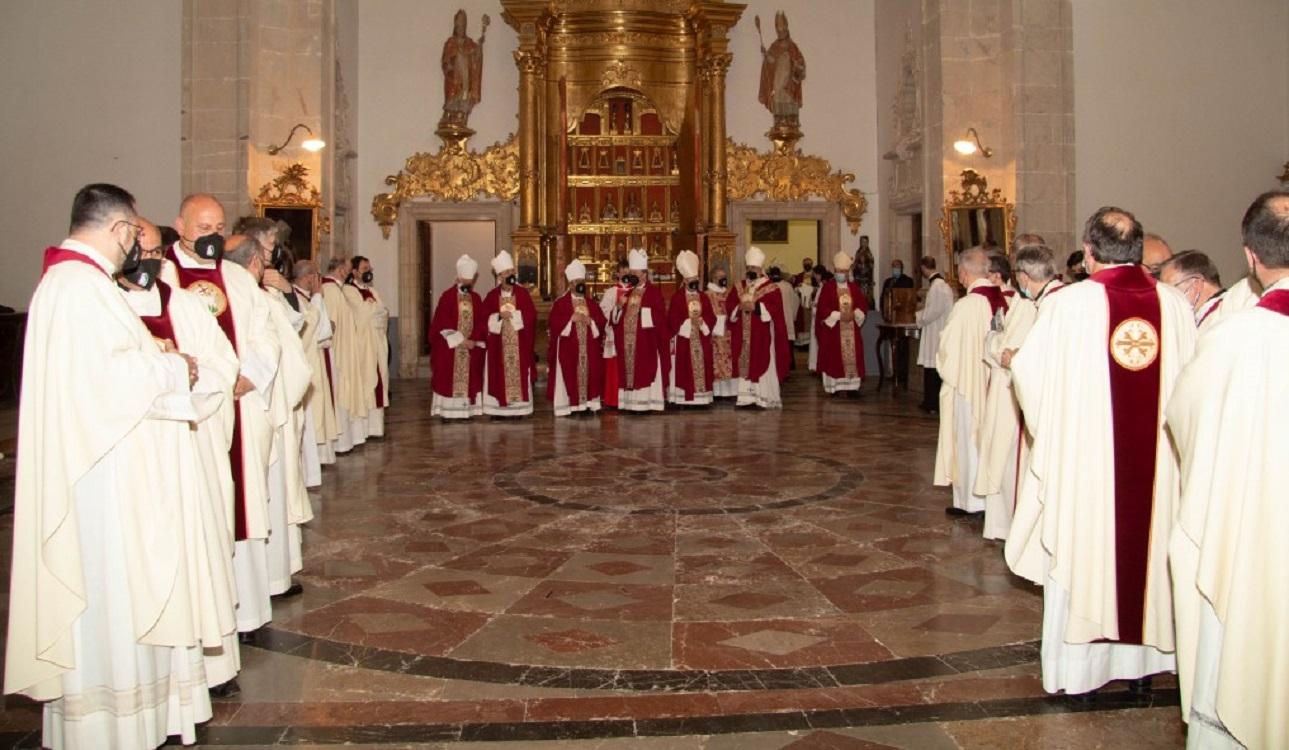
x=973, y=265
x=199, y=215
x=1113, y=236
x=1265, y=231
x=1154, y=253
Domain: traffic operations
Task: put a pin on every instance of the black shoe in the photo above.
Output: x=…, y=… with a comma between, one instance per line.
x=955, y=512
x=246, y=639
x=294, y=589
x=1139, y=687
x=228, y=690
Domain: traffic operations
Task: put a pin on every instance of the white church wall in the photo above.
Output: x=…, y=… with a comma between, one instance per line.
x=1181, y=115
x=92, y=94
x=400, y=99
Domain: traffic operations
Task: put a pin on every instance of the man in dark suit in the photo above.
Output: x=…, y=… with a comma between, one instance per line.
x=897, y=280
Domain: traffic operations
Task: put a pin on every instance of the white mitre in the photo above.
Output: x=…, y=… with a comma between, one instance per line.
x=503, y=262
x=755, y=257
x=575, y=270
x=467, y=267
x=687, y=264
x=637, y=260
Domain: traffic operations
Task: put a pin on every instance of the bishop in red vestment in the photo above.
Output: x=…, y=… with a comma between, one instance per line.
x=640, y=332
x=759, y=336
x=512, y=325
x=575, y=354
x=839, y=317
x=457, y=339
x=691, y=319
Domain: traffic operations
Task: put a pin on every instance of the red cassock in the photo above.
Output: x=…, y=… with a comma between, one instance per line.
x=681, y=309
x=643, y=350
x=523, y=342
x=837, y=354
x=765, y=296
x=567, y=352
x=452, y=304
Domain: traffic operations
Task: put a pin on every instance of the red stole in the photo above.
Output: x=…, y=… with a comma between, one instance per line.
x=205, y=282
x=56, y=255
x=159, y=325
x=1276, y=300
x=1209, y=311
x=380, y=389
x=1133, y=356
x=995, y=296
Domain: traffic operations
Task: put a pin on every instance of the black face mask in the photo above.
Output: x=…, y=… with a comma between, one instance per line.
x=209, y=247
x=367, y=277
x=723, y=283
x=132, y=258
x=580, y=288
x=465, y=288
x=752, y=275
x=693, y=286
x=144, y=273
x=511, y=279
x=278, y=259
x=631, y=279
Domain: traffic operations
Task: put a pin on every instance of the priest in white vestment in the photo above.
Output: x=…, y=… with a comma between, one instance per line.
x=307, y=282
x=100, y=598
x=371, y=329
x=1230, y=547
x=181, y=318
x=1004, y=448
x=960, y=361
x=1092, y=379
x=288, y=505
x=234, y=298
x=346, y=361
x=930, y=321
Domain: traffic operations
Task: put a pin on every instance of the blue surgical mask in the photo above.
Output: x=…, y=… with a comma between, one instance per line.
x=896, y=273
x=840, y=277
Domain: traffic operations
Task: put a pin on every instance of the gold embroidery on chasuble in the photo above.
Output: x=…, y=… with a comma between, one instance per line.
x=510, y=353
x=847, y=333
x=722, y=368
x=211, y=295
x=695, y=343
x=1134, y=344
x=630, y=323
x=461, y=355
x=748, y=298
x=581, y=329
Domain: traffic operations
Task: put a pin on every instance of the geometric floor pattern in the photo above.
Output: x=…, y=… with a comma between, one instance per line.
x=710, y=578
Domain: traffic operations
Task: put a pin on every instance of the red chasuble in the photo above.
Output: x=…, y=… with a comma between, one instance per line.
x=509, y=356
x=380, y=389
x=1134, y=362
x=457, y=373
x=642, y=351
x=159, y=325
x=579, y=356
x=56, y=255
x=750, y=337
x=208, y=284
x=693, y=355
x=841, y=347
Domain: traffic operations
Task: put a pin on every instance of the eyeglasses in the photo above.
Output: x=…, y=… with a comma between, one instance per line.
x=138, y=228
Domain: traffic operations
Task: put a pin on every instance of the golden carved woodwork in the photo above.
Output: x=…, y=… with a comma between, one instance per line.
x=789, y=175
x=290, y=188
x=451, y=174
x=972, y=210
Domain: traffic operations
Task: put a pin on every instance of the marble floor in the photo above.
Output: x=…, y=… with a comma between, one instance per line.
x=717, y=578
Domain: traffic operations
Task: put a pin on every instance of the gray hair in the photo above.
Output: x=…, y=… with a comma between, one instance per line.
x=974, y=260
x=338, y=263
x=1037, y=262
x=244, y=252
x=1194, y=263
x=303, y=268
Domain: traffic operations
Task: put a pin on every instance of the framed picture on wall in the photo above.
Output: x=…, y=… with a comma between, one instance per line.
x=769, y=230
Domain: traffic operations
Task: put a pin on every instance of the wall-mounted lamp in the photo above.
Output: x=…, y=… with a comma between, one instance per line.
x=969, y=147
x=312, y=143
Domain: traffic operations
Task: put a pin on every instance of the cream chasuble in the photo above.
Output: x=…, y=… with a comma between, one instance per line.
x=1230, y=549
x=99, y=585
x=1002, y=446
x=1064, y=531
x=371, y=318
x=960, y=361
x=347, y=371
